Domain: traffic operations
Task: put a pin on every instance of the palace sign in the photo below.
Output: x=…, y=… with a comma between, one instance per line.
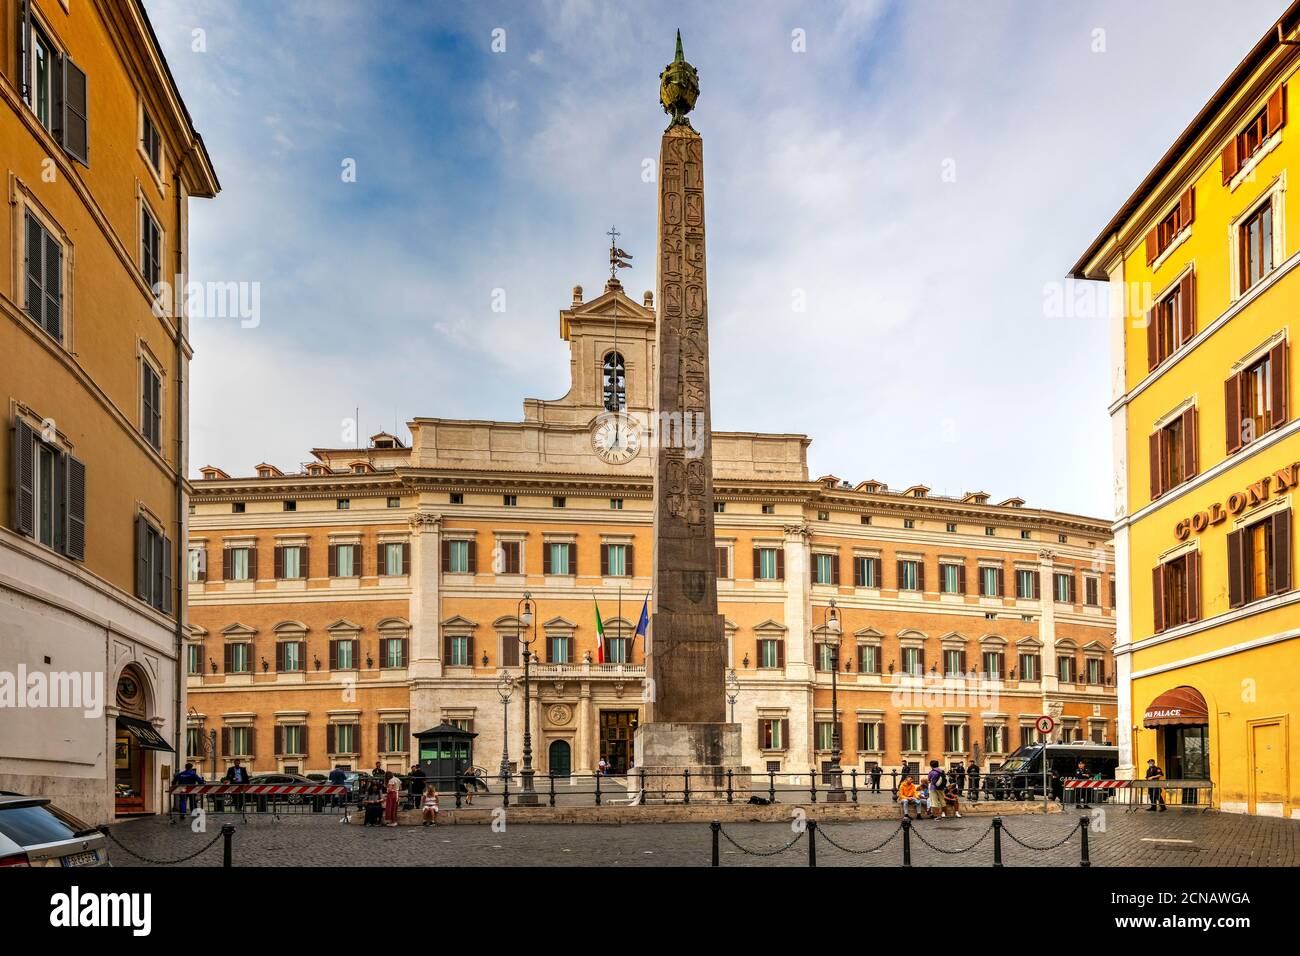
x=1280, y=481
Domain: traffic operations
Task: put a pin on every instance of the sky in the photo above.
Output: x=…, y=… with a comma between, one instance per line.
x=894, y=191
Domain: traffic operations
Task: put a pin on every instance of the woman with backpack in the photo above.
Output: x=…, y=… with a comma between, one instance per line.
x=938, y=781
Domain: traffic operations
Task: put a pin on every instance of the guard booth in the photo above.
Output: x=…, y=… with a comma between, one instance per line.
x=445, y=752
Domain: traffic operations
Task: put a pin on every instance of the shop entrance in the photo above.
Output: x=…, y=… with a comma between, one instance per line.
x=616, y=728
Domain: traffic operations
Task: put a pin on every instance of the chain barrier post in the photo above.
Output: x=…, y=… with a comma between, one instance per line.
x=227, y=834
x=715, y=826
x=597, y=776
x=729, y=785
x=907, y=840
x=853, y=779
x=771, y=785
x=812, y=843
x=1083, y=844
x=997, y=841
x=812, y=783
x=686, y=786
x=552, y=776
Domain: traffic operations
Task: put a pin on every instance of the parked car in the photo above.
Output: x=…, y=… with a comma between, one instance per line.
x=34, y=832
x=1020, y=777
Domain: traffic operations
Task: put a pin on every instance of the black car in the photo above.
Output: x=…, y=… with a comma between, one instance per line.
x=1020, y=776
x=293, y=799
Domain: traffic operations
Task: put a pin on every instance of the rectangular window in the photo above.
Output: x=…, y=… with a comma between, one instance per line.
x=153, y=570
x=458, y=557
x=1092, y=592
x=1255, y=239
x=616, y=650
x=913, y=661
x=44, y=63
x=824, y=732
x=291, y=740
x=151, y=141
x=44, y=278
x=992, y=662
x=953, y=664
x=345, y=739
x=615, y=504
x=825, y=657
x=869, y=659
x=1176, y=590
x=394, y=558
x=342, y=504
x=909, y=576
x=991, y=582
x=343, y=655
x=347, y=560
x=870, y=736
x=1174, y=453
x=511, y=557
x=771, y=653
x=769, y=509
x=559, y=648
x=510, y=501
x=954, y=738
x=616, y=560
x=950, y=576
x=150, y=405
x=913, y=738
x=458, y=650
x=150, y=248
x=1093, y=670
x=457, y=498
x=1171, y=322
x=290, y=654
x=557, y=501
x=1029, y=667
x=1063, y=588
x=241, y=742
x=766, y=564
x=394, y=502
x=291, y=562
x=392, y=651
x=240, y=564
x=393, y=737
x=239, y=658
x=825, y=569
x=560, y=555
x=194, y=659
x=1259, y=559
x=723, y=558
x=194, y=741
x=1026, y=584
x=866, y=572
x=719, y=507
x=995, y=739
x=771, y=734
x=1065, y=669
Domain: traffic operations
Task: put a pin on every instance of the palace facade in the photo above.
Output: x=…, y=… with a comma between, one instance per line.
x=378, y=591
x=100, y=159
x=1204, y=292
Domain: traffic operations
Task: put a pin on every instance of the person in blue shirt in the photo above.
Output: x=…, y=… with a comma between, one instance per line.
x=187, y=777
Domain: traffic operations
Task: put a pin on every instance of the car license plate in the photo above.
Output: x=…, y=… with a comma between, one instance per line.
x=89, y=858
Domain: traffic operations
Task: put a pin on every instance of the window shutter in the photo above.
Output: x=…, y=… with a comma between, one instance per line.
x=785, y=733
x=762, y=743
x=334, y=664
x=1193, y=593
x=835, y=569
x=446, y=556
x=329, y=738
x=379, y=739
x=1074, y=589
x=961, y=660
x=546, y=556
x=920, y=575
x=900, y=575
x=961, y=578
x=925, y=737
x=279, y=655
x=878, y=565
x=859, y=572
x=1187, y=207
x=720, y=554
x=279, y=562
x=74, y=509
x=1157, y=448
x=1002, y=582
x=24, y=457
x=1187, y=306
x=304, y=561
x=203, y=564
x=780, y=653
x=58, y=507
x=252, y=563
x=302, y=740
x=1232, y=412
x=1229, y=160
x=279, y=740
x=446, y=647
x=630, y=552
x=168, y=576
x=225, y=741
x=780, y=564
x=229, y=663
x=358, y=560
x=406, y=557
x=406, y=645
x=604, y=560
x=1282, y=551
x=1277, y=358
x=573, y=557
x=75, y=130
x=1191, y=444
x=1158, y=597
x=1236, y=568
x=1153, y=339
x=141, y=559
x=1153, y=244
x=1277, y=109
x=332, y=560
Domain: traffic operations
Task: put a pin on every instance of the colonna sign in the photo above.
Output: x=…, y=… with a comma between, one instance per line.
x=1282, y=480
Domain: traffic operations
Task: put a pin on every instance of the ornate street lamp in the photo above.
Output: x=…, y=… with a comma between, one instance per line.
x=733, y=691
x=525, y=616
x=836, y=792
x=505, y=690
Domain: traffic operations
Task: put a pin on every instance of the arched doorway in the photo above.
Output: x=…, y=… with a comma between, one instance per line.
x=1181, y=720
x=134, y=767
x=559, y=758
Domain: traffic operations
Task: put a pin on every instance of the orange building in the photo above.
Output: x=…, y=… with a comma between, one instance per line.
x=377, y=593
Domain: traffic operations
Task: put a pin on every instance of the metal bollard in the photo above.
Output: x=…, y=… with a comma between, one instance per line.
x=227, y=833
x=552, y=775
x=1083, y=844
x=812, y=784
x=729, y=785
x=716, y=827
x=505, y=791
x=812, y=842
x=771, y=785
x=597, y=776
x=853, y=779
x=997, y=841
x=686, y=786
x=907, y=840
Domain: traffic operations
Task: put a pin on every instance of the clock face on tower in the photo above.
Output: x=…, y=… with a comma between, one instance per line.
x=615, y=437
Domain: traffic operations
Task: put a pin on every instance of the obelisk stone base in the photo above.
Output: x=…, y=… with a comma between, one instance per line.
x=666, y=753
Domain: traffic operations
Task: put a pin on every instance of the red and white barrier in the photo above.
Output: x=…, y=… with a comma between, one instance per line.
x=261, y=789
x=1097, y=784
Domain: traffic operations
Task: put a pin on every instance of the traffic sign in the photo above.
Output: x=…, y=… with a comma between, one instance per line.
x=1045, y=724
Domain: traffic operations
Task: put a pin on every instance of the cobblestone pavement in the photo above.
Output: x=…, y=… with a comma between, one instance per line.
x=1176, y=838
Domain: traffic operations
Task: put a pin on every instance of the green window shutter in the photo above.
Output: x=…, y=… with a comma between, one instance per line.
x=75, y=133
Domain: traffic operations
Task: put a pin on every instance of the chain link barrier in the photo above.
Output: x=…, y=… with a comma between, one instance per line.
x=1029, y=846
x=870, y=849
x=916, y=832
x=797, y=837
x=151, y=860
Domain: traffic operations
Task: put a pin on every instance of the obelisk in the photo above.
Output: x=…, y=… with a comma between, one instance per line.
x=685, y=716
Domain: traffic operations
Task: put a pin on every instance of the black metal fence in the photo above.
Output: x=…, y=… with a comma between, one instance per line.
x=812, y=831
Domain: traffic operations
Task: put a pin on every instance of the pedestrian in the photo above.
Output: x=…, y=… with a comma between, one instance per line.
x=952, y=800
x=1085, y=794
x=959, y=776
x=469, y=784
x=937, y=782
x=429, y=806
x=923, y=799
x=394, y=785
x=875, y=778
x=1155, y=794
x=907, y=795
x=373, y=804
x=237, y=774
x=415, y=787
x=378, y=772
x=973, y=775
x=338, y=779
x=603, y=767
x=188, y=777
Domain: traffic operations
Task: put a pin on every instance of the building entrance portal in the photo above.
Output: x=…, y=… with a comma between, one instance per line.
x=616, y=727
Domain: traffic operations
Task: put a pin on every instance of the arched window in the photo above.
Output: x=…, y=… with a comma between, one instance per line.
x=613, y=385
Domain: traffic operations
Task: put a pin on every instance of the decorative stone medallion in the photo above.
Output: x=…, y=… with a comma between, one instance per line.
x=559, y=714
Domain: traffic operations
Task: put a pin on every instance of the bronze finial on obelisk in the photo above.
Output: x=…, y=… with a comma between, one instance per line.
x=679, y=87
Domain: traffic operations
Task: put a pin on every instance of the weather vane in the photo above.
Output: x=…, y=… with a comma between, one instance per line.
x=616, y=255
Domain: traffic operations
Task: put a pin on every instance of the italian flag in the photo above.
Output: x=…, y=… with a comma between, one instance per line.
x=600, y=634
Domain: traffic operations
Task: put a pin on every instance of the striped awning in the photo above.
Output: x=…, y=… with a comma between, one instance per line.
x=1182, y=705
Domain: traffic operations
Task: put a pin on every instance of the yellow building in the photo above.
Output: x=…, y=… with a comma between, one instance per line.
x=377, y=592
x=100, y=159
x=1205, y=297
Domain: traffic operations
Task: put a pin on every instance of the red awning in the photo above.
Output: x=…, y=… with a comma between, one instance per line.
x=1182, y=705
